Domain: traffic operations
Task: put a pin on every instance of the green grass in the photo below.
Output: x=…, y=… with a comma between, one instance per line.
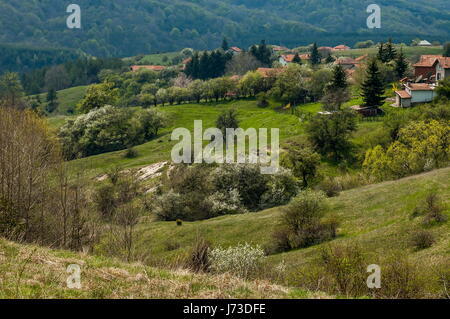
x=158, y=59
x=38, y=273
x=410, y=52
x=376, y=217
x=67, y=99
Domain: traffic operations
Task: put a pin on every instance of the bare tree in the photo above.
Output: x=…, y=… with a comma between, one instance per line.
x=242, y=63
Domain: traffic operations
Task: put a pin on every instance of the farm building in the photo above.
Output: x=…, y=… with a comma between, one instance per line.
x=415, y=93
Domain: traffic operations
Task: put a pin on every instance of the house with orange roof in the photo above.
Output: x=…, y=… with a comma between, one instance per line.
x=289, y=58
x=432, y=67
x=135, y=68
x=341, y=47
x=234, y=50
x=415, y=93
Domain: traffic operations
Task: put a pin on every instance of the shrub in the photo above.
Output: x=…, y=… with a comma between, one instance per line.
x=108, y=129
x=282, y=187
x=346, y=267
x=303, y=223
x=422, y=239
x=262, y=100
x=242, y=260
x=431, y=208
x=131, y=152
x=169, y=206
x=199, y=260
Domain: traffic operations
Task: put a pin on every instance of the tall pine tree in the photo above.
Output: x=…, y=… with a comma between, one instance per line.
x=401, y=65
x=373, y=87
x=225, y=45
x=315, y=55
x=390, y=51
x=297, y=59
x=339, y=78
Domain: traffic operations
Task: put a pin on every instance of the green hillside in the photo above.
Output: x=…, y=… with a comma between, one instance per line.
x=67, y=99
x=115, y=28
x=375, y=217
x=34, y=272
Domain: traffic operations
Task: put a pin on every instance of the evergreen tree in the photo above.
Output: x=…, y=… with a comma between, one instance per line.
x=315, y=55
x=401, y=65
x=381, y=53
x=225, y=45
x=329, y=59
x=390, y=51
x=297, y=59
x=262, y=53
x=52, y=103
x=447, y=49
x=373, y=87
x=339, y=78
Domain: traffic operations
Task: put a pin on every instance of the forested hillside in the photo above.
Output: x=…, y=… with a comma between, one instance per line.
x=125, y=28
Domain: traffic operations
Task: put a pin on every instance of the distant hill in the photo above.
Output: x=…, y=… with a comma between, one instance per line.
x=126, y=28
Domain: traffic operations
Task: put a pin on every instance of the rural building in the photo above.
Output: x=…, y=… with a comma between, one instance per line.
x=424, y=43
x=415, y=93
x=288, y=58
x=235, y=50
x=135, y=68
x=432, y=67
x=341, y=47
x=346, y=63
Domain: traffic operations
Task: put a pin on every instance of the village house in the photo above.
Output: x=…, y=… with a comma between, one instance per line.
x=341, y=47
x=289, y=58
x=424, y=43
x=432, y=68
x=234, y=50
x=135, y=68
x=277, y=48
x=415, y=93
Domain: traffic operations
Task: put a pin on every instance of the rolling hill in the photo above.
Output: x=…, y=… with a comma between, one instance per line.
x=116, y=28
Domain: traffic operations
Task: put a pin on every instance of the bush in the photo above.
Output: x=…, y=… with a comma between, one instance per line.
x=303, y=222
x=431, y=208
x=108, y=129
x=422, y=239
x=131, y=153
x=262, y=100
x=199, y=258
x=242, y=261
x=282, y=187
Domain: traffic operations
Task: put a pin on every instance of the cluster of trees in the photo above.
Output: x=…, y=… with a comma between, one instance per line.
x=205, y=191
x=82, y=71
x=108, y=129
x=420, y=146
x=41, y=201
x=208, y=65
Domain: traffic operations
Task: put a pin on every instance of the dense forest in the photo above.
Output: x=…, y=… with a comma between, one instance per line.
x=126, y=28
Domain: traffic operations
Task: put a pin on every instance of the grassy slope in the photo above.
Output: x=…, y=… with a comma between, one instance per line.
x=377, y=217
x=67, y=99
x=34, y=272
x=184, y=115
x=410, y=52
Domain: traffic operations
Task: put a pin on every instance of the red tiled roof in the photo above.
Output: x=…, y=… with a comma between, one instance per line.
x=420, y=87
x=236, y=49
x=135, y=68
x=325, y=48
x=403, y=94
x=445, y=62
x=427, y=60
x=288, y=57
x=341, y=47
x=346, y=61
x=305, y=56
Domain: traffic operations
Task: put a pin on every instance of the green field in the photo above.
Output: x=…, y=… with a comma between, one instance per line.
x=375, y=217
x=412, y=53
x=158, y=59
x=67, y=99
